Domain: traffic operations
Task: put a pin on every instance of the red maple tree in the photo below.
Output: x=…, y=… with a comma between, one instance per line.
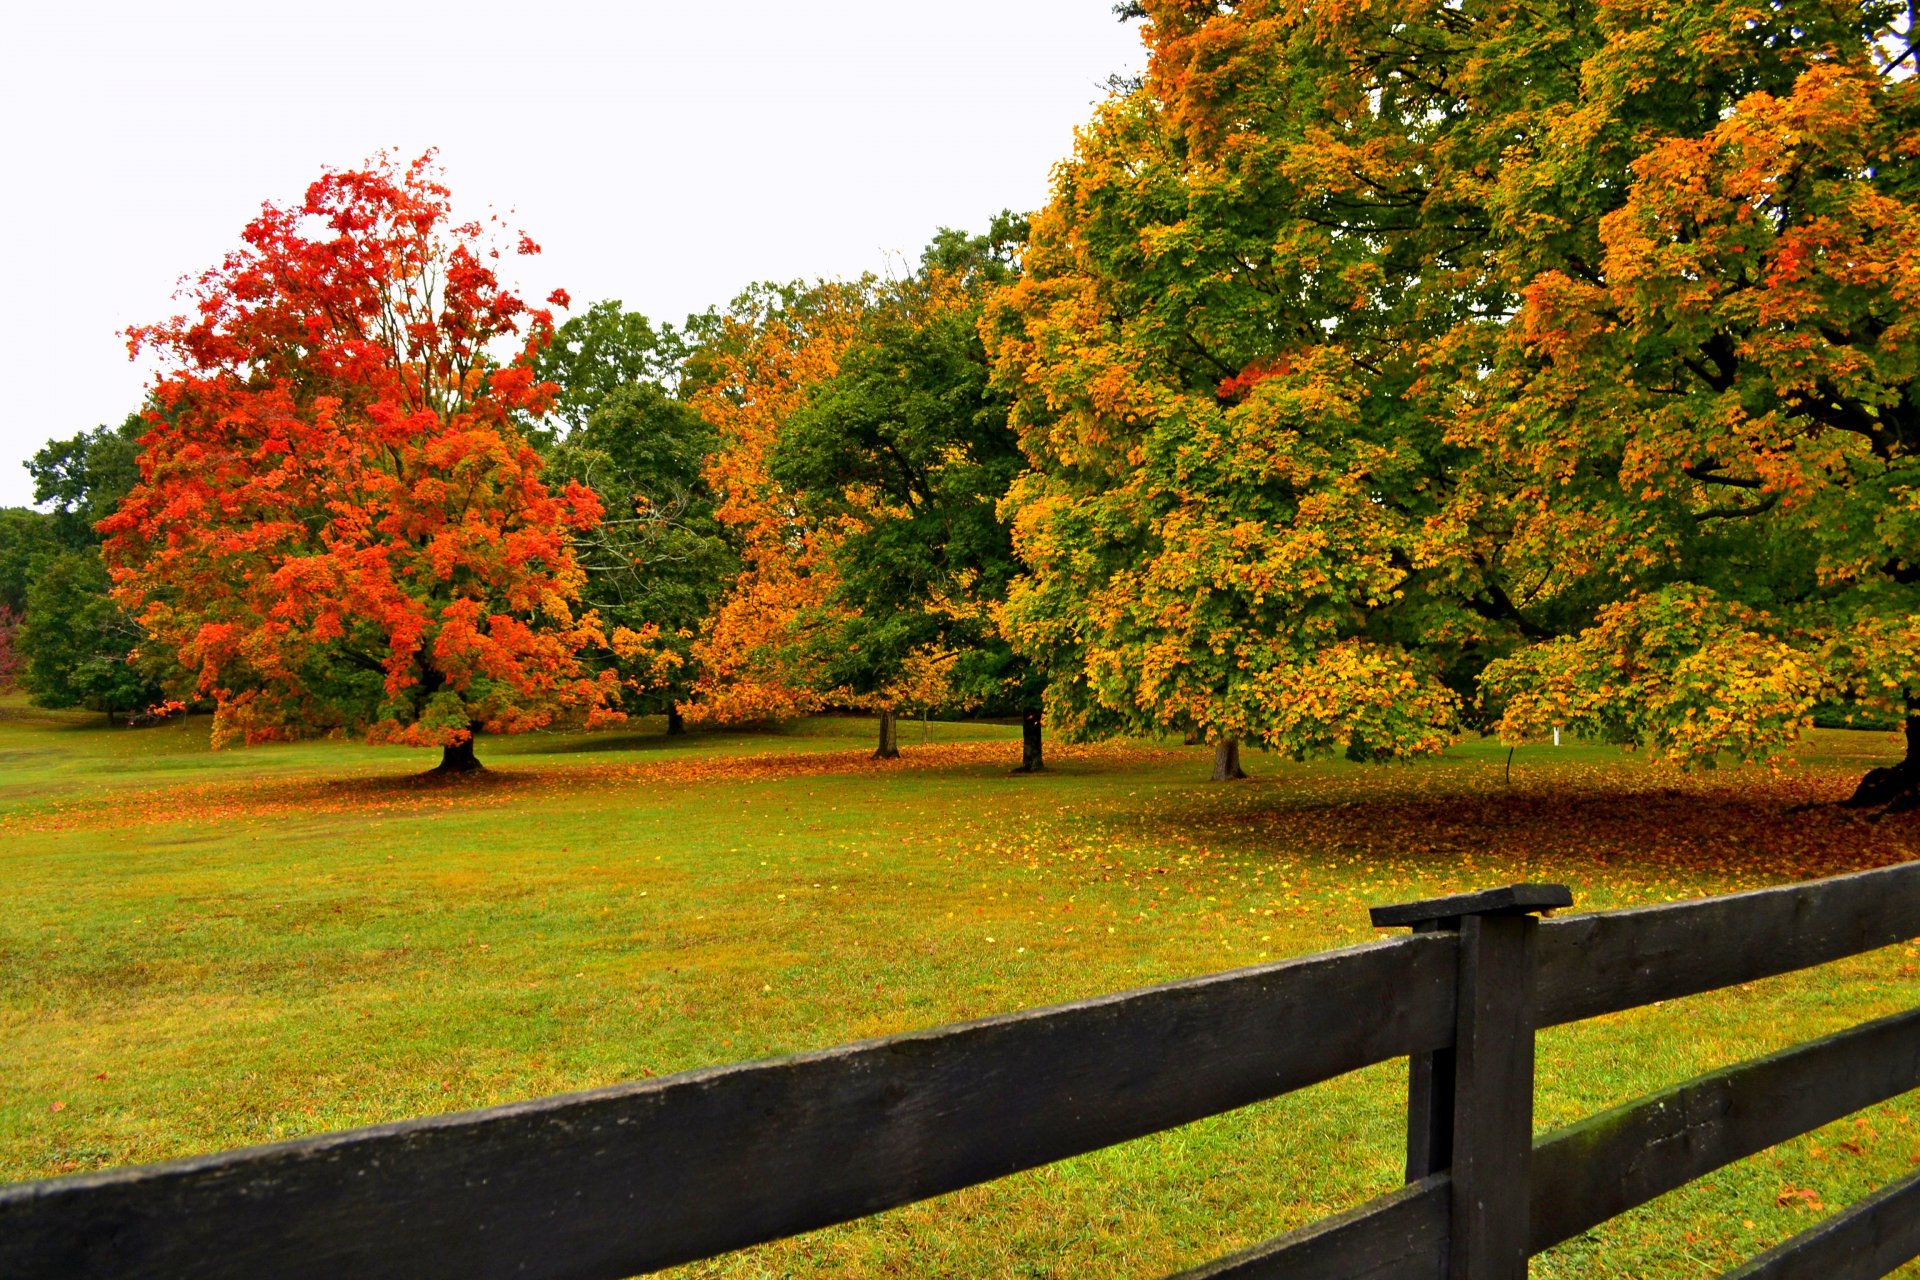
x=338, y=525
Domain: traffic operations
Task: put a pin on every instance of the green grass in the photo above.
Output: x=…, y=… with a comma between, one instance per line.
x=201, y=950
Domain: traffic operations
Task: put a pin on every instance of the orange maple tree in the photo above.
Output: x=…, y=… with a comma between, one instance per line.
x=758, y=369
x=337, y=524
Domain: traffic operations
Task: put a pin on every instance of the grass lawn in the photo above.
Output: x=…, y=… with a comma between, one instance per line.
x=203, y=950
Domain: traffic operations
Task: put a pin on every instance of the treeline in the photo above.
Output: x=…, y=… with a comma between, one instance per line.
x=799, y=510
x=1370, y=378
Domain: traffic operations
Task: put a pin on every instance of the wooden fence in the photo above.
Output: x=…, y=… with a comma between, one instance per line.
x=628, y=1179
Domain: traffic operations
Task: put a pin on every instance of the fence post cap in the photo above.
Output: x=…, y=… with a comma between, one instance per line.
x=1513, y=899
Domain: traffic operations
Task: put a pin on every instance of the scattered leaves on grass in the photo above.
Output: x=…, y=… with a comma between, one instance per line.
x=229, y=798
x=1804, y=1197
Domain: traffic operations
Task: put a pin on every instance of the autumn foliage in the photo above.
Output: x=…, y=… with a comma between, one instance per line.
x=1388, y=372
x=1373, y=376
x=754, y=374
x=337, y=523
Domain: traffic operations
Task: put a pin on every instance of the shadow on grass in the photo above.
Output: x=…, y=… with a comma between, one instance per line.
x=623, y=743
x=482, y=781
x=1750, y=826
x=643, y=742
x=507, y=779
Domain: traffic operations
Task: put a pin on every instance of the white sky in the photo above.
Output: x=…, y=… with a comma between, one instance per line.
x=663, y=153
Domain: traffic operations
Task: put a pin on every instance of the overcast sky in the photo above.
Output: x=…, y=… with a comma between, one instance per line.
x=664, y=154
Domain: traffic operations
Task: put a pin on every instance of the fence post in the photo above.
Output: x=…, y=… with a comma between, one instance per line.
x=1470, y=1107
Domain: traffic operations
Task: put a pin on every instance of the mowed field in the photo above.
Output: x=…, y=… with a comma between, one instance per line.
x=202, y=950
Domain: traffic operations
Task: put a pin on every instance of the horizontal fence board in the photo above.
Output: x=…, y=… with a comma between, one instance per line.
x=1863, y=1242
x=1605, y=1165
x=1399, y=1236
x=636, y=1177
x=1595, y=964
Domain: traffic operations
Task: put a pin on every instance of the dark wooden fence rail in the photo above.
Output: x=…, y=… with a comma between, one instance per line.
x=629, y=1179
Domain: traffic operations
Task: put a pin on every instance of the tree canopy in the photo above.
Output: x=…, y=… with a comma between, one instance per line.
x=604, y=349
x=656, y=564
x=1389, y=372
x=905, y=449
x=76, y=647
x=337, y=524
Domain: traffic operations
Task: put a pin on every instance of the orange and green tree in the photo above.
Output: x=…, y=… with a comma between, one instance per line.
x=748, y=373
x=906, y=451
x=1211, y=361
x=1703, y=439
x=337, y=524
x=1391, y=371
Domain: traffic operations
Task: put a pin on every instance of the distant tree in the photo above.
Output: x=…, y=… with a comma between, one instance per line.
x=83, y=478
x=29, y=539
x=906, y=449
x=11, y=659
x=82, y=647
x=76, y=643
x=604, y=349
x=658, y=562
x=337, y=524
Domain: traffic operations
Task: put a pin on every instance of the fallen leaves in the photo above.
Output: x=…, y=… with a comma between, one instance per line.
x=228, y=799
x=1802, y=1197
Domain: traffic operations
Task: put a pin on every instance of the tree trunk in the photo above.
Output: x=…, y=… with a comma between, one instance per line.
x=676, y=723
x=1893, y=788
x=1030, y=758
x=458, y=758
x=1226, y=760
x=889, y=737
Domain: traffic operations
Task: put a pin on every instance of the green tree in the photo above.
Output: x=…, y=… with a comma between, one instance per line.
x=77, y=648
x=84, y=477
x=77, y=644
x=600, y=351
x=906, y=447
x=29, y=539
x=1213, y=355
x=658, y=562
